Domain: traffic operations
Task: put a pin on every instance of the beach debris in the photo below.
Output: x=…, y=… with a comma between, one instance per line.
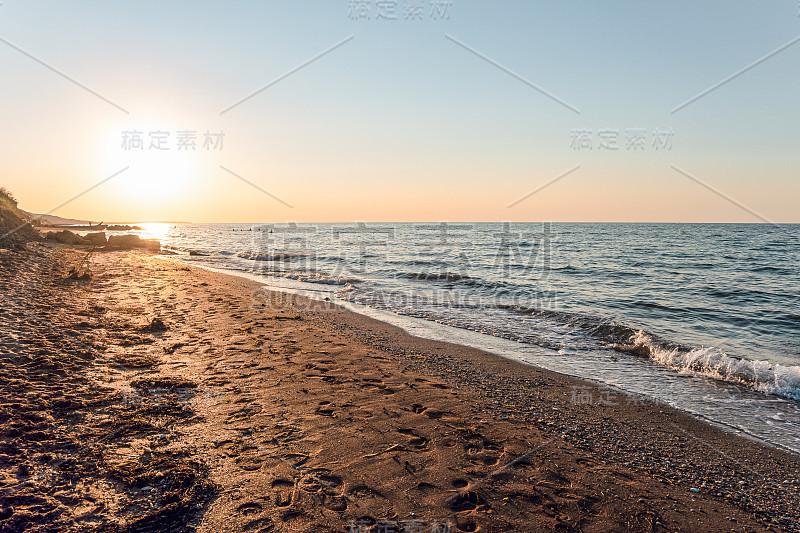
x=155, y=325
x=74, y=275
x=80, y=271
x=392, y=448
x=172, y=347
x=163, y=382
x=285, y=317
x=182, y=483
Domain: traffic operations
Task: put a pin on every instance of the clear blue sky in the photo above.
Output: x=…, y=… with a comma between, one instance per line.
x=401, y=122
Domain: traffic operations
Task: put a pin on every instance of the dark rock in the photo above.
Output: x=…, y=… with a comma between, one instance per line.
x=65, y=237
x=126, y=242
x=98, y=239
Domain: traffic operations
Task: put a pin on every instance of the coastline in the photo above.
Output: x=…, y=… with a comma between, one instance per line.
x=304, y=416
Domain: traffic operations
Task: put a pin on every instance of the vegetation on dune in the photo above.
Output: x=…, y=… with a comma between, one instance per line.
x=7, y=199
x=14, y=226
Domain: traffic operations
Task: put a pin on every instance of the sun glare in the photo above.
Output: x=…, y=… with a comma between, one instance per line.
x=156, y=230
x=158, y=173
x=159, y=176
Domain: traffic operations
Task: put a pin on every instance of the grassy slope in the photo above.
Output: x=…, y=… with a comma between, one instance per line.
x=13, y=229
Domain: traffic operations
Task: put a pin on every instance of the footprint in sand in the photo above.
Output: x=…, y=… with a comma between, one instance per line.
x=415, y=441
x=372, y=384
x=459, y=483
x=243, y=413
x=326, y=408
x=282, y=490
x=249, y=463
x=365, y=496
x=365, y=523
x=327, y=379
x=249, y=508
x=431, y=384
x=259, y=525
x=426, y=488
x=335, y=503
x=466, y=501
x=293, y=459
x=486, y=459
x=433, y=414
x=246, y=456
x=481, y=451
x=286, y=433
x=466, y=525
x=363, y=413
x=551, y=479
x=323, y=481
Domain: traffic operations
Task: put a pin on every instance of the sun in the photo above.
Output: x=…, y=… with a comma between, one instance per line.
x=157, y=173
x=159, y=176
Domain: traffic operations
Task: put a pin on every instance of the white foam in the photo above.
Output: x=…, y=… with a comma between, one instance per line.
x=762, y=376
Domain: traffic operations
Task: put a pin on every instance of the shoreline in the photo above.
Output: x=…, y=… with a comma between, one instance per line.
x=388, y=317
x=308, y=417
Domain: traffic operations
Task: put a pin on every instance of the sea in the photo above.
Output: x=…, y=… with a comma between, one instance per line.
x=701, y=317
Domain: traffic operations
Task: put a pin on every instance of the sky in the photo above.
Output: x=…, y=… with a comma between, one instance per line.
x=406, y=110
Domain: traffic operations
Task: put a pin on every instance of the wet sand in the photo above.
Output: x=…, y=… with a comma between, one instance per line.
x=139, y=394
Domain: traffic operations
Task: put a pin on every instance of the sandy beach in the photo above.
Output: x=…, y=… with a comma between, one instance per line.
x=427, y=266
x=140, y=394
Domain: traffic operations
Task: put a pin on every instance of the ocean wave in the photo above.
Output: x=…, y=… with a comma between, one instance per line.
x=267, y=256
x=565, y=268
x=410, y=263
x=179, y=249
x=593, y=325
x=762, y=376
x=612, y=333
x=317, y=277
x=435, y=276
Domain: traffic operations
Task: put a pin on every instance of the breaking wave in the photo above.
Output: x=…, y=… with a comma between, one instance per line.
x=763, y=376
